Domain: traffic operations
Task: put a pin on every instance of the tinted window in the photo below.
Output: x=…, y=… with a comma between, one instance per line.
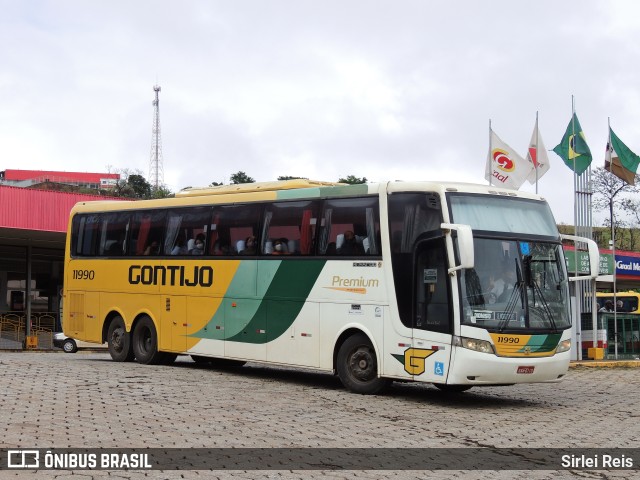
x=289, y=228
x=187, y=231
x=411, y=215
x=147, y=233
x=350, y=227
x=235, y=230
x=85, y=235
x=113, y=233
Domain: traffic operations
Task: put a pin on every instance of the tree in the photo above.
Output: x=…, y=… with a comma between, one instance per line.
x=353, y=180
x=632, y=207
x=139, y=185
x=216, y=184
x=122, y=188
x=606, y=187
x=240, y=177
x=161, y=192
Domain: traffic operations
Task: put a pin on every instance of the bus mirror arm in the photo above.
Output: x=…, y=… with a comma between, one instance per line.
x=594, y=257
x=465, y=245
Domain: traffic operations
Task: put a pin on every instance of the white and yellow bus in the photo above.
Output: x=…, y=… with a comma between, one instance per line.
x=625, y=302
x=454, y=284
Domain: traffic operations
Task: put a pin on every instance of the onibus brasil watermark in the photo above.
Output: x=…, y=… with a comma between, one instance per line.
x=247, y=459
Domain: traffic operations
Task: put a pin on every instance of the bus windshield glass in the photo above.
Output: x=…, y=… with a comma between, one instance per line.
x=503, y=214
x=516, y=285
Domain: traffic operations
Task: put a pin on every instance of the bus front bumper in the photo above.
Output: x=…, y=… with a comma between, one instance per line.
x=475, y=368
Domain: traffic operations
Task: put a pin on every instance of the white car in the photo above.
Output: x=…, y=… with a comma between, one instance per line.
x=70, y=345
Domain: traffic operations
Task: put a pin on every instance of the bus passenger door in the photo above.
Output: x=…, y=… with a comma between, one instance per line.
x=173, y=324
x=432, y=313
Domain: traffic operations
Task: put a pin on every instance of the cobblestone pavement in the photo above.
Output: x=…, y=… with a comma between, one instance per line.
x=86, y=400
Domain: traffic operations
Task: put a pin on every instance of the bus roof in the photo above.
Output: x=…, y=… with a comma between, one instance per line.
x=255, y=187
x=293, y=190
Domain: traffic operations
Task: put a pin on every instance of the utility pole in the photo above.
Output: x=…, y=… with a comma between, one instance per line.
x=156, y=171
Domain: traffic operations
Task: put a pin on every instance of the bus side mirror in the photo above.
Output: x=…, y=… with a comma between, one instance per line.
x=594, y=257
x=465, y=245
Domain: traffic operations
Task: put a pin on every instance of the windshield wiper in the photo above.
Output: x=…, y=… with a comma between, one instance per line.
x=545, y=305
x=516, y=294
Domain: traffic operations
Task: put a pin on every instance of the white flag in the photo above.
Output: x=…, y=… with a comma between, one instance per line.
x=537, y=155
x=505, y=168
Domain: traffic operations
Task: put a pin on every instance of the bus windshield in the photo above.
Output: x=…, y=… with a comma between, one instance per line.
x=516, y=285
x=503, y=214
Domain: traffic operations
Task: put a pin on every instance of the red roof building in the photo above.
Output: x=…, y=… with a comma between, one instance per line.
x=33, y=227
x=39, y=210
x=27, y=178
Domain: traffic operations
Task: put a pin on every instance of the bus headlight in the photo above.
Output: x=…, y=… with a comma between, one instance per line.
x=473, y=344
x=563, y=346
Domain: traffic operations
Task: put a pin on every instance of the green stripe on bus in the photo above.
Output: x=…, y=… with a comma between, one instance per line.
x=244, y=277
x=543, y=343
x=283, y=301
x=337, y=191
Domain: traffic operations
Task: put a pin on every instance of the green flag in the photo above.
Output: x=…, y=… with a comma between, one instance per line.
x=621, y=161
x=573, y=148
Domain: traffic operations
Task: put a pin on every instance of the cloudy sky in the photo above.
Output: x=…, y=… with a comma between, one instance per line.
x=398, y=89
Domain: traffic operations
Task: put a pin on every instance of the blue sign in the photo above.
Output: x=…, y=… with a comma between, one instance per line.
x=524, y=248
x=438, y=369
x=626, y=265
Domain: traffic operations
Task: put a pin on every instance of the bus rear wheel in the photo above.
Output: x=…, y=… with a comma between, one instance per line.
x=145, y=343
x=119, y=341
x=357, y=366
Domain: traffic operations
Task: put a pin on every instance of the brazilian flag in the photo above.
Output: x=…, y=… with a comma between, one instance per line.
x=573, y=148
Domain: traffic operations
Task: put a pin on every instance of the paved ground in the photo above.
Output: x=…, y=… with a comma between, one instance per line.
x=86, y=400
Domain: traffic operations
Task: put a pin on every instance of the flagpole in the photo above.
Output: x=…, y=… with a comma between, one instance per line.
x=490, y=158
x=536, y=163
x=613, y=254
x=575, y=178
x=578, y=288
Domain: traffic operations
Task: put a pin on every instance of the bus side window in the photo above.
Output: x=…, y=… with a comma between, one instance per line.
x=85, y=236
x=147, y=227
x=233, y=225
x=114, y=233
x=290, y=224
x=350, y=227
x=183, y=226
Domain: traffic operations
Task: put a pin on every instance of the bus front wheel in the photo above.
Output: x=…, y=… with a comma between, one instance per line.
x=119, y=341
x=145, y=343
x=357, y=366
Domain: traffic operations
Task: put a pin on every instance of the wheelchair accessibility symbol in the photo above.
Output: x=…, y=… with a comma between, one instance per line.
x=438, y=369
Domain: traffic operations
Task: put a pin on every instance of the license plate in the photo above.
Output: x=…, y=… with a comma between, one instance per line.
x=525, y=370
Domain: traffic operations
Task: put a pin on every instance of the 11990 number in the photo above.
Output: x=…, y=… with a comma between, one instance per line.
x=508, y=340
x=84, y=274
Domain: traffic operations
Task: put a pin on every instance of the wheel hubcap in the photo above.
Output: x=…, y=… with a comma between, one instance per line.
x=116, y=339
x=145, y=340
x=362, y=366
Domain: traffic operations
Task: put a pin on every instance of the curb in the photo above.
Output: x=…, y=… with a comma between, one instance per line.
x=605, y=364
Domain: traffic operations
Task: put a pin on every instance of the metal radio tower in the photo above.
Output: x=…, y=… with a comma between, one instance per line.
x=156, y=172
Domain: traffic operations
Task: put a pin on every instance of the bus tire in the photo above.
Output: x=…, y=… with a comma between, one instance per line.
x=357, y=366
x=452, y=388
x=119, y=341
x=145, y=343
